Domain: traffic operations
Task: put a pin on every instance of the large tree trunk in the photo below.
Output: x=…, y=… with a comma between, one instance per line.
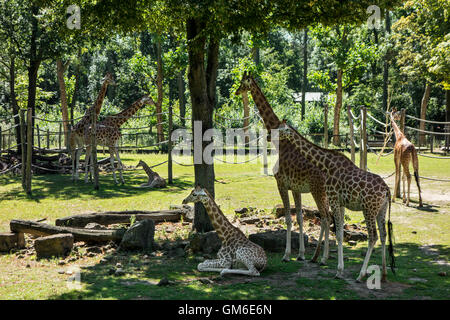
x=305, y=72
x=159, y=85
x=60, y=69
x=423, y=112
x=337, y=108
x=202, y=86
x=447, y=119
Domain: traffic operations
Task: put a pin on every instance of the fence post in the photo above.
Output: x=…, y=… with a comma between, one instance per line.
x=39, y=138
x=325, y=126
x=169, y=147
x=48, y=139
x=1, y=140
x=431, y=140
x=29, y=150
x=363, y=142
x=352, y=141
x=22, y=148
x=59, y=137
x=93, y=142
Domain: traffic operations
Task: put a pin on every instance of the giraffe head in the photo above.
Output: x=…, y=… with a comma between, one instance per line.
x=284, y=131
x=246, y=83
x=147, y=100
x=396, y=115
x=109, y=79
x=197, y=195
x=141, y=163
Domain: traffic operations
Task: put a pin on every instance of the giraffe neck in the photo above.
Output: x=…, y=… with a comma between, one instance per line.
x=271, y=120
x=220, y=223
x=147, y=169
x=320, y=157
x=397, y=131
x=87, y=118
x=120, y=118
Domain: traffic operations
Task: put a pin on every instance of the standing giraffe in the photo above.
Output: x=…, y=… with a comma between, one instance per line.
x=294, y=173
x=76, y=138
x=108, y=135
x=348, y=186
x=404, y=153
x=154, y=179
x=236, y=248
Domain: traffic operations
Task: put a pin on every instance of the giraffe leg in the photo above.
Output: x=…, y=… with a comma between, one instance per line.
x=77, y=162
x=381, y=221
x=86, y=164
x=120, y=165
x=242, y=256
x=215, y=265
x=319, y=243
x=74, y=163
x=111, y=160
x=287, y=213
x=319, y=195
x=372, y=232
x=299, y=213
x=326, y=249
x=339, y=213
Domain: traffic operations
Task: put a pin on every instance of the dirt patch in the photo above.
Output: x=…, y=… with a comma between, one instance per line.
x=388, y=289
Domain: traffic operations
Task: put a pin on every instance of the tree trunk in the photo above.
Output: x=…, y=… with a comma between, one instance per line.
x=386, y=66
x=14, y=105
x=60, y=69
x=305, y=72
x=423, y=112
x=181, y=98
x=447, y=119
x=337, y=108
x=73, y=101
x=202, y=88
x=159, y=85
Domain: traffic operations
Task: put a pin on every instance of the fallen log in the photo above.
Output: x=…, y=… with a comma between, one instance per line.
x=86, y=235
x=112, y=217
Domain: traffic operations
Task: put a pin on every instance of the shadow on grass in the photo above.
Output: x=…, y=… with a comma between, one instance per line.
x=417, y=277
x=62, y=188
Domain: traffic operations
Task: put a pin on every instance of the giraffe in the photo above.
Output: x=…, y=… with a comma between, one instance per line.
x=108, y=134
x=404, y=153
x=347, y=186
x=295, y=174
x=76, y=137
x=154, y=179
x=236, y=248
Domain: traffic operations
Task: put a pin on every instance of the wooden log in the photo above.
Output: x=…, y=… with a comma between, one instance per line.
x=112, y=217
x=87, y=235
x=11, y=240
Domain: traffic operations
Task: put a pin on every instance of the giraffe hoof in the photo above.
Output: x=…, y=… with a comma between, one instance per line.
x=300, y=258
x=339, y=276
x=285, y=259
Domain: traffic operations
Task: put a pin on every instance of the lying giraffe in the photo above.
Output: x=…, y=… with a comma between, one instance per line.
x=236, y=248
x=404, y=153
x=77, y=137
x=108, y=135
x=295, y=174
x=154, y=179
x=347, y=186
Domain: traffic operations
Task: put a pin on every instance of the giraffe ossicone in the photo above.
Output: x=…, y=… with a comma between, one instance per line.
x=236, y=249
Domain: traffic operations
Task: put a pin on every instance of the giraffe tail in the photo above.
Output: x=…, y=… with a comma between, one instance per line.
x=390, y=237
x=415, y=162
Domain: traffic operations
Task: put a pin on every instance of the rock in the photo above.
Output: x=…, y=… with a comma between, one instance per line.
x=178, y=252
x=139, y=236
x=442, y=274
x=111, y=271
x=207, y=242
x=61, y=262
x=418, y=280
x=275, y=241
x=163, y=282
x=414, y=232
x=91, y=255
x=241, y=210
x=250, y=220
x=352, y=242
x=94, y=250
x=206, y=281
x=11, y=240
x=54, y=245
x=95, y=226
x=187, y=211
x=103, y=260
x=119, y=272
x=308, y=213
x=354, y=236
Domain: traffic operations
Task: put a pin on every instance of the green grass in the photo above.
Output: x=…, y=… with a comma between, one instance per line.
x=241, y=185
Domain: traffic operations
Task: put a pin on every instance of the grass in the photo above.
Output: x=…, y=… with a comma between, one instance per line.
x=241, y=185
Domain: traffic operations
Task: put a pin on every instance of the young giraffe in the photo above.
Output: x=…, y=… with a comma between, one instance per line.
x=77, y=138
x=108, y=134
x=294, y=173
x=154, y=179
x=347, y=186
x=236, y=248
x=404, y=152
